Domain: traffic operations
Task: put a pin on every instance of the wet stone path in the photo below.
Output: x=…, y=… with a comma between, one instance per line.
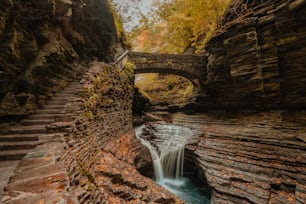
x=30, y=150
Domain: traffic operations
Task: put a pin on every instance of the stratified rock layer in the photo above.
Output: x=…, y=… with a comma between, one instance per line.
x=90, y=157
x=43, y=44
x=256, y=61
x=251, y=157
x=257, y=56
x=103, y=147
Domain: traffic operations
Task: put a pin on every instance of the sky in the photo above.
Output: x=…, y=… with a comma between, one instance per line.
x=131, y=10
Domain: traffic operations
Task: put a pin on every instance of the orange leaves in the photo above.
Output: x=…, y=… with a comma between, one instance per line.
x=177, y=24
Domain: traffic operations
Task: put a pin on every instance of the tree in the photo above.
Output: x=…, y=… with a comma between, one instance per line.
x=177, y=24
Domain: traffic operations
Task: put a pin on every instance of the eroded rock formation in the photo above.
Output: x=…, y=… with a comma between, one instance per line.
x=256, y=61
x=251, y=157
x=45, y=43
x=257, y=56
x=103, y=145
x=91, y=159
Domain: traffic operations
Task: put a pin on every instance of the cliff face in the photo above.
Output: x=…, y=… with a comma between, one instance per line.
x=43, y=44
x=256, y=61
x=251, y=157
x=103, y=146
x=257, y=56
x=88, y=156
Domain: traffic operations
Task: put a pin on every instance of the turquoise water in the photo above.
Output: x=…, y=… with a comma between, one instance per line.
x=188, y=190
x=167, y=148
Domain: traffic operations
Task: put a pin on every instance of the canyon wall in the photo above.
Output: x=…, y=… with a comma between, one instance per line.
x=256, y=57
x=256, y=62
x=103, y=146
x=251, y=157
x=45, y=43
x=90, y=159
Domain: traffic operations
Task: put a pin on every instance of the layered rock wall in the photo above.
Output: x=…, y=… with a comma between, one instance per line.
x=103, y=146
x=89, y=156
x=256, y=57
x=256, y=61
x=43, y=44
x=106, y=114
x=251, y=157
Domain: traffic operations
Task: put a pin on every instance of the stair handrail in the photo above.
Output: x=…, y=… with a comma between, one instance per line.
x=121, y=60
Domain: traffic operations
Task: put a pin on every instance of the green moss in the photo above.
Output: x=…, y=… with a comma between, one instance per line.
x=118, y=21
x=169, y=89
x=90, y=178
x=128, y=69
x=89, y=115
x=108, y=88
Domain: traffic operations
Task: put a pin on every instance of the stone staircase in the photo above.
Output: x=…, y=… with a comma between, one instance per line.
x=18, y=140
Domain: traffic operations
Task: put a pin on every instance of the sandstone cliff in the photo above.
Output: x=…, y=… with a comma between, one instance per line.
x=251, y=157
x=256, y=61
x=88, y=157
x=103, y=146
x=45, y=43
x=257, y=56
x=246, y=157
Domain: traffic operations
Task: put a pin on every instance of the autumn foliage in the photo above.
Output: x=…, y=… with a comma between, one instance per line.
x=175, y=25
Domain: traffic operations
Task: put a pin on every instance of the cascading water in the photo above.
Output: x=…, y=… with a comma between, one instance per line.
x=168, y=152
x=166, y=146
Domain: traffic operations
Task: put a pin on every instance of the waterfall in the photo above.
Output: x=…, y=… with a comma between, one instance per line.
x=172, y=160
x=168, y=150
x=166, y=143
x=157, y=164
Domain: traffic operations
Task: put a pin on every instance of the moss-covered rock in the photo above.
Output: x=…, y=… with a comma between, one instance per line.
x=44, y=44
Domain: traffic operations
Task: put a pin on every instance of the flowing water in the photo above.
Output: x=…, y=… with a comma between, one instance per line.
x=166, y=144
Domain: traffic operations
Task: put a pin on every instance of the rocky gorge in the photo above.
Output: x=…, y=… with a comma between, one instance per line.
x=256, y=56
x=43, y=43
x=251, y=141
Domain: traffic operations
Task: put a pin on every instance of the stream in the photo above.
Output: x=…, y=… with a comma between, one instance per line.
x=166, y=143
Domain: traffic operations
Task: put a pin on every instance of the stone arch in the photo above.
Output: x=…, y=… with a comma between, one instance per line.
x=191, y=67
x=160, y=70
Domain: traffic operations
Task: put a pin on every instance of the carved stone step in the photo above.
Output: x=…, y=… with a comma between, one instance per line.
x=34, y=129
x=6, y=171
x=44, y=116
x=71, y=91
x=57, y=102
x=52, y=107
x=49, y=111
x=19, y=137
x=18, y=145
x=62, y=95
x=37, y=121
x=13, y=154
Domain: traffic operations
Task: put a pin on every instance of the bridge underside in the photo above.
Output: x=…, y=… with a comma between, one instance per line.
x=191, y=67
x=191, y=78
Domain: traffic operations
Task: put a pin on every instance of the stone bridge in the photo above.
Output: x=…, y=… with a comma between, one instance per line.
x=192, y=67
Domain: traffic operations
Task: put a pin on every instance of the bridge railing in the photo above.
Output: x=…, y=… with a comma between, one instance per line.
x=121, y=60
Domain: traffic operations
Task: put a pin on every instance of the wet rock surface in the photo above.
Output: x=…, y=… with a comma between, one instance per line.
x=256, y=61
x=40, y=177
x=39, y=137
x=103, y=147
x=251, y=157
x=88, y=155
x=117, y=174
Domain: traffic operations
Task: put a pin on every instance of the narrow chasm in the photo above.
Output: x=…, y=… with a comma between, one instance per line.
x=171, y=165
